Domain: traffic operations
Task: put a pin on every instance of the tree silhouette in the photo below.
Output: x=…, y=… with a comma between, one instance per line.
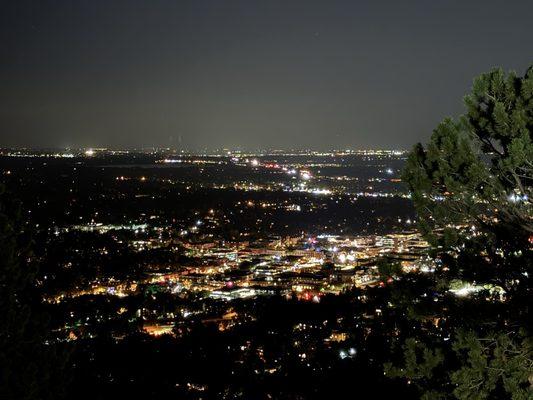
x=472, y=186
x=30, y=367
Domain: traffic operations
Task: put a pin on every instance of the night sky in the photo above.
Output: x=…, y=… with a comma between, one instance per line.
x=247, y=74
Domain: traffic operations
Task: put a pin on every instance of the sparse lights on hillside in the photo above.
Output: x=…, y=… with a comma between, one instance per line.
x=516, y=198
x=345, y=354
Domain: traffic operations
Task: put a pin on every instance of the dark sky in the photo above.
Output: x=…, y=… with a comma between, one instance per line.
x=250, y=74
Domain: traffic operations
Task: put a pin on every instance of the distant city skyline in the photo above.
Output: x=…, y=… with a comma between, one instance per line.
x=90, y=151
x=247, y=74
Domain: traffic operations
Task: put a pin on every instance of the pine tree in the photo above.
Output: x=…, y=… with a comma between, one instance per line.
x=472, y=186
x=479, y=170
